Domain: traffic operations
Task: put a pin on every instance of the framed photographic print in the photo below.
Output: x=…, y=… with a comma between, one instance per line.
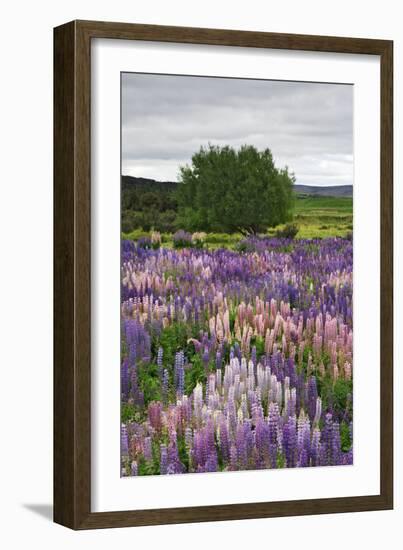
x=223, y=275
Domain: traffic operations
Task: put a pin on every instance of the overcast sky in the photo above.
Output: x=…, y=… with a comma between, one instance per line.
x=307, y=126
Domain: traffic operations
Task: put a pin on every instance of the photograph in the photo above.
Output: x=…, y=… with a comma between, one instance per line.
x=236, y=274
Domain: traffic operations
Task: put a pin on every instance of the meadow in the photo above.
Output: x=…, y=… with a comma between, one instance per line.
x=316, y=217
x=237, y=353
x=323, y=216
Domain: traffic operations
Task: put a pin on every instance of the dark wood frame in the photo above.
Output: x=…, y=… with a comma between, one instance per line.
x=72, y=320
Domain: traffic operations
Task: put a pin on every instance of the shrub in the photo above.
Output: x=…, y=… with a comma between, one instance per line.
x=182, y=239
x=199, y=239
x=289, y=231
x=166, y=222
x=155, y=239
x=252, y=244
x=144, y=242
x=220, y=238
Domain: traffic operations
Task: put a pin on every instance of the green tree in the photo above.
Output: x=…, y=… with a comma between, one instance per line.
x=234, y=191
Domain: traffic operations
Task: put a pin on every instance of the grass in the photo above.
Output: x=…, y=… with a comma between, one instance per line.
x=323, y=216
x=316, y=217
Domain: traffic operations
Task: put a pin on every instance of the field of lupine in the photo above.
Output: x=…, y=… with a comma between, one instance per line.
x=236, y=359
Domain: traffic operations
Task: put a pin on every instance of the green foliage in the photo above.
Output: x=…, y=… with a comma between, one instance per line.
x=182, y=239
x=220, y=238
x=148, y=204
x=172, y=339
x=317, y=217
x=244, y=246
x=281, y=463
x=258, y=342
x=345, y=437
x=183, y=452
x=149, y=383
x=289, y=231
x=127, y=413
x=166, y=221
x=195, y=374
x=234, y=191
x=342, y=391
x=148, y=468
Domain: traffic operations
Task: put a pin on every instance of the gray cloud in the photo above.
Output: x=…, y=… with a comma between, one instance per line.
x=166, y=118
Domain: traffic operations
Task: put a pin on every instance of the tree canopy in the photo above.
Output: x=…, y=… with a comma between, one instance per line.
x=234, y=191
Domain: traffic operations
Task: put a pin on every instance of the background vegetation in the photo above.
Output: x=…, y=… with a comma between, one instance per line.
x=236, y=204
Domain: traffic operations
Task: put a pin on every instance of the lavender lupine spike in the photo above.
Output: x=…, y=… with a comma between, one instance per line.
x=290, y=442
x=163, y=459
x=224, y=441
x=315, y=447
x=318, y=412
x=336, y=445
x=160, y=356
x=273, y=422
x=254, y=356
x=124, y=442
x=125, y=379
x=218, y=360
x=312, y=396
x=179, y=363
x=180, y=381
x=327, y=438
x=148, y=455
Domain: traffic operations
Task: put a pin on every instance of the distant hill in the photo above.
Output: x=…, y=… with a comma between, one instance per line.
x=151, y=185
x=147, y=184
x=328, y=191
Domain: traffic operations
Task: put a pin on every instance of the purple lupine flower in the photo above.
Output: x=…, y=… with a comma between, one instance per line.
x=180, y=386
x=148, y=454
x=312, y=396
x=303, y=460
x=233, y=409
x=212, y=462
x=254, y=356
x=175, y=466
x=241, y=447
x=290, y=441
x=138, y=341
x=163, y=459
x=125, y=379
x=273, y=422
x=124, y=442
x=318, y=412
x=315, y=447
x=262, y=441
x=336, y=445
x=206, y=359
x=233, y=458
x=160, y=355
x=327, y=439
x=218, y=360
x=224, y=442
x=154, y=415
x=182, y=239
x=303, y=440
x=179, y=363
x=134, y=468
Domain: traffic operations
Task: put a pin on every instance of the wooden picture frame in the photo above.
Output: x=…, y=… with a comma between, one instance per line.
x=72, y=271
